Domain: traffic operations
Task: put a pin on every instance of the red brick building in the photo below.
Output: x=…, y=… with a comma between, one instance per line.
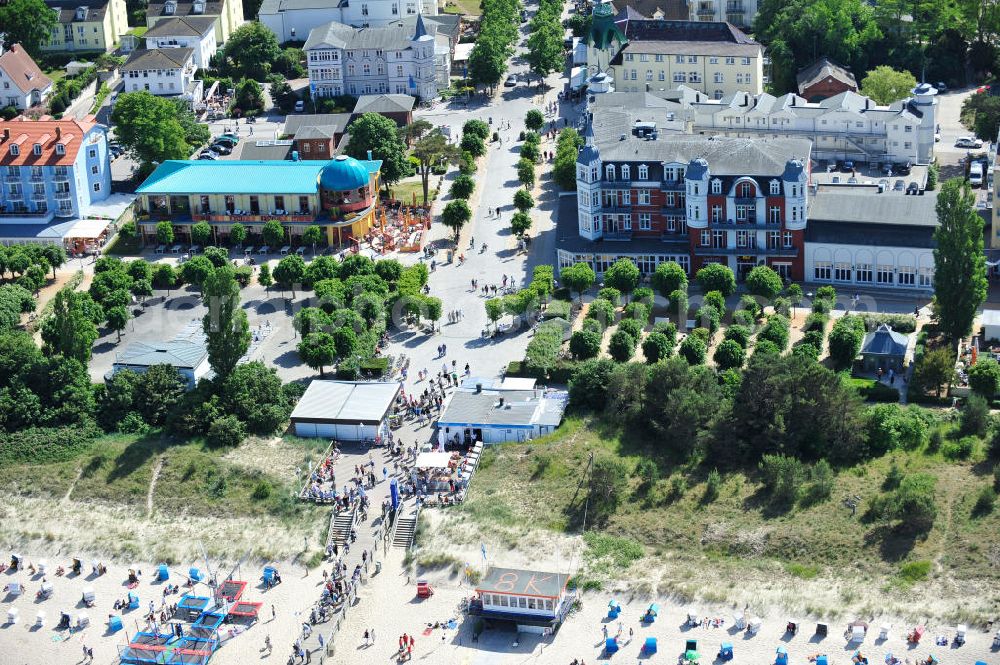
x=823, y=79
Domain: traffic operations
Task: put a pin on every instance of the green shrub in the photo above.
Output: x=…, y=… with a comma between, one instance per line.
x=632, y=327
x=621, y=346
x=975, y=417
x=739, y=334
x=744, y=318
x=227, y=431
x=261, y=491
x=713, y=485
x=985, y=502
x=914, y=571
x=611, y=294
x=958, y=449
x=901, y=323
x=776, y=330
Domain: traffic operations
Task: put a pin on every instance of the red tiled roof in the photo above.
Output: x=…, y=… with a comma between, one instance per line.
x=26, y=133
x=23, y=71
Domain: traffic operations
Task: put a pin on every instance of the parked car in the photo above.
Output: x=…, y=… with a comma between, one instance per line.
x=510, y=82
x=847, y=166
x=852, y=180
x=941, y=87
x=899, y=186
x=968, y=142
x=116, y=150
x=913, y=188
x=228, y=137
x=208, y=154
x=226, y=140
x=883, y=185
x=903, y=169
x=300, y=106
x=222, y=149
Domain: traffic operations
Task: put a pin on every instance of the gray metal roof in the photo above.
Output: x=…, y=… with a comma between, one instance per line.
x=182, y=26
x=294, y=122
x=484, y=408
x=157, y=58
x=384, y=104
x=866, y=205
x=885, y=342
x=179, y=353
x=725, y=155
x=345, y=402
x=320, y=132
x=276, y=6
x=872, y=234
x=184, y=8
x=394, y=36
x=823, y=68
x=265, y=150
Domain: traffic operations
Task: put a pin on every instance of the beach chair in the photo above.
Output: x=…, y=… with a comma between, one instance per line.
x=424, y=589
x=13, y=615
x=162, y=572
x=610, y=645
x=822, y=630
x=16, y=561
x=45, y=591
x=194, y=574
x=996, y=640
x=89, y=598
x=857, y=634
x=691, y=645
x=114, y=623
x=65, y=620
x=76, y=567
x=883, y=631
x=916, y=634
x=43, y=567
x=82, y=620
x=740, y=621
x=651, y=613
x=792, y=626
x=40, y=619
x=269, y=574
x=693, y=617
x=753, y=627
x=15, y=589
x=649, y=646
x=781, y=657
x=133, y=600
x=960, y=631
x=726, y=651
x=822, y=660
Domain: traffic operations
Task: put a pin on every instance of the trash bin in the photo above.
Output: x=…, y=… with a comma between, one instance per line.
x=378, y=567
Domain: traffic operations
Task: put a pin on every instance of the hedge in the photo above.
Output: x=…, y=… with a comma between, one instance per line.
x=902, y=323
x=875, y=391
x=558, y=308
x=45, y=445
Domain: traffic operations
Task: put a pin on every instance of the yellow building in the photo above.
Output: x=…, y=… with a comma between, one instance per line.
x=87, y=25
x=228, y=13
x=645, y=55
x=339, y=195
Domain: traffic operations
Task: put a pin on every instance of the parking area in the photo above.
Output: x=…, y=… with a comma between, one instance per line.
x=178, y=313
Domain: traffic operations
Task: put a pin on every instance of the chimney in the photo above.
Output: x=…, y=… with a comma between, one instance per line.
x=6, y=133
x=369, y=155
x=58, y=133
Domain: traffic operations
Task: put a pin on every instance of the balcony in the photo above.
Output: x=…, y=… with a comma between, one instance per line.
x=706, y=9
x=672, y=185
x=735, y=7
x=232, y=218
x=674, y=238
x=730, y=224
x=617, y=235
x=12, y=177
x=616, y=210
x=37, y=177
x=749, y=251
x=60, y=177
x=38, y=196
x=745, y=200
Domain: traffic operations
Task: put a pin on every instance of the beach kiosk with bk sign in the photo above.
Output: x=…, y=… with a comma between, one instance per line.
x=535, y=601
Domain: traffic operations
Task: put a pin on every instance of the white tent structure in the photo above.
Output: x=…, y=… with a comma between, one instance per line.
x=345, y=410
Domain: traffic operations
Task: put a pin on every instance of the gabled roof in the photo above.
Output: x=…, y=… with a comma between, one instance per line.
x=885, y=342
x=22, y=70
x=384, y=104
x=395, y=36
x=270, y=7
x=671, y=10
x=184, y=8
x=48, y=133
x=67, y=9
x=293, y=123
x=157, y=58
x=179, y=353
x=183, y=26
x=318, y=132
x=824, y=68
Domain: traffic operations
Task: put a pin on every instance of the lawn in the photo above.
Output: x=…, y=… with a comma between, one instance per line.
x=740, y=530
x=405, y=191
x=466, y=7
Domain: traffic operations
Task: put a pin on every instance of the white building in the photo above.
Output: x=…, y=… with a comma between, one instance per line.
x=409, y=57
x=345, y=410
x=189, y=358
x=22, y=83
x=499, y=415
x=859, y=237
x=738, y=12
x=166, y=71
x=194, y=32
x=846, y=126
x=293, y=20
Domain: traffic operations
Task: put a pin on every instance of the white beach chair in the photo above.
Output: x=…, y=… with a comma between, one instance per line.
x=43, y=567
x=15, y=589
x=88, y=595
x=960, y=631
x=754, y=626
x=82, y=620
x=883, y=631
x=40, y=618
x=694, y=618
x=740, y=621
x=857, y=634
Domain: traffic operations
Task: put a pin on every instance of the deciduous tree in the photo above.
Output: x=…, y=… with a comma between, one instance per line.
x=225, y=324
x=379, y=134
x=959, y=263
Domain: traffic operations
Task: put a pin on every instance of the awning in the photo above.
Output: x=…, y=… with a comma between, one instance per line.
x=88, y=228
x=433, y=460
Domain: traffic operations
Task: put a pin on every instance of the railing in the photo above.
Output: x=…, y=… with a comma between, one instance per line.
x=672, y=185
x=735, y=8
x=730, y=224
x=12, y=177
x=303, y=217
x=750, y=251
x=38, y=196
x=24, y=213
x=617, y=235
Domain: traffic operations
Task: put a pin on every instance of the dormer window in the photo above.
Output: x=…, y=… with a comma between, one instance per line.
x=626, y=172
x=716, y=186
x=775, y=188
x=745, y=190
x=37, y=148
x=60, y=149
x=15, y=150
x=609, y=171
x=643, y=172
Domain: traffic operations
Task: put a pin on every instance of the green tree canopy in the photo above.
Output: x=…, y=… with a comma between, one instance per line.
x=290, y=272
x=656, y=347
x=729, y=355
x=237, y=234
x=379, y=134
x=28, y=23
x=984, y=377
x=622, y=275
x=249, y=97
x=886, y=85
x=318, y=350
x=201, y=233
x=313, y=235
x=148, y=127
x=764, y=282
x=585, y=344
x=716, y=277
x=578, y=277
x=520, y=222
x=273, y=232
x=526, y=172
x=431, y=149
x=693, y=350
x=523, y=200
x=225, y=324
x=250, y=52
x=455, y=215
x=959, y=263
x=669, y=277
x=164, y=232
x=69, y=331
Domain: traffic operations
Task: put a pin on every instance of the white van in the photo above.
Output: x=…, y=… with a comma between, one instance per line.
x=976, y=174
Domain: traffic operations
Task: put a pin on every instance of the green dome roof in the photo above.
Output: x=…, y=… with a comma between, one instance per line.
x=342, y=174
